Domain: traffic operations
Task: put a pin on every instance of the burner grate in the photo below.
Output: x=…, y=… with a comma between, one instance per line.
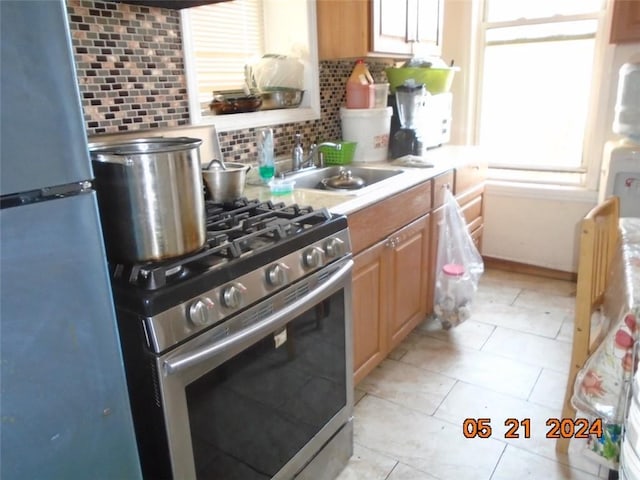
x=235, y=229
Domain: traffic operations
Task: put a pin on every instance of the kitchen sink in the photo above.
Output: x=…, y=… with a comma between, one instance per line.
x=313, y=178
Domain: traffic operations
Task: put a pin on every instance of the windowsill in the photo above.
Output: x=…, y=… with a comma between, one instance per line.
x=237, y=121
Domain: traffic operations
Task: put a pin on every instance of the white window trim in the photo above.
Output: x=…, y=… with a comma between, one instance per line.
x=309, y=110
x=467, y=113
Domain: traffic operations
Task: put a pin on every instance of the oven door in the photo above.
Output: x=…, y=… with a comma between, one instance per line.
x=259, y=395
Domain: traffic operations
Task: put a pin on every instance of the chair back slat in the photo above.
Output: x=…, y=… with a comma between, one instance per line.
x=598, y=243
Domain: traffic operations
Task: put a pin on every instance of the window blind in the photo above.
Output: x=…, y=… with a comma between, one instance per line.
x=226, y=36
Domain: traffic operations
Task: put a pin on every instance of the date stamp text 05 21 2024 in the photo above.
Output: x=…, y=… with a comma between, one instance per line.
x=517, y=428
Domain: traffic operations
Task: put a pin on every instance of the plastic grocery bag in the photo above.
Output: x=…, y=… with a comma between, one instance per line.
x=459, y=267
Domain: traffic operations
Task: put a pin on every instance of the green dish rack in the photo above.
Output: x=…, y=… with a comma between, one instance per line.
x=344, y=156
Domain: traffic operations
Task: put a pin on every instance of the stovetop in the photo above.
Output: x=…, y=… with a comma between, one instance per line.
x=242, y=236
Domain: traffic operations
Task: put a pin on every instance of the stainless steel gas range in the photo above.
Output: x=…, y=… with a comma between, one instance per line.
x=239, y=356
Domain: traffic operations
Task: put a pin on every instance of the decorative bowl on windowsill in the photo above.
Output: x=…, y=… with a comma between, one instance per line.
x=235, y=101
x=280, y=97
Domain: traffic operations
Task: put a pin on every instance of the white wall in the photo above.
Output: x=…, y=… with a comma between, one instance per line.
x=530, y=225
x=532, y=229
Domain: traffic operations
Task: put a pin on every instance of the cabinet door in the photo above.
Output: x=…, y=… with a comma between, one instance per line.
x=625, y=23
x=368, y=286
x=472, y=212
x=428, y=28
x=343, y=28
x=389, y=32
x=436, y=219
x=409, y=250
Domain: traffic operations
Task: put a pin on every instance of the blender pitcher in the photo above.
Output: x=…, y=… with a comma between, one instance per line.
x=410, y=103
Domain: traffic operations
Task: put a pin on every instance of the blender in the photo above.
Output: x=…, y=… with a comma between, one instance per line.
x=410, y=104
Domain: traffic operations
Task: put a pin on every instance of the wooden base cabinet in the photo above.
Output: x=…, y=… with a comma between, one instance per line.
x=390, y=242
x=369, y=286
x=395, y=245
x=389, y=290
x=408, y=270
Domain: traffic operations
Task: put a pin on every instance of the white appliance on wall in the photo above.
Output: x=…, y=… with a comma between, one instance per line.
x=621, y=175
x=621, y=163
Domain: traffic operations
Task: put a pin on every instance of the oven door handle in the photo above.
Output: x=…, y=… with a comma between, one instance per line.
x=183, y=362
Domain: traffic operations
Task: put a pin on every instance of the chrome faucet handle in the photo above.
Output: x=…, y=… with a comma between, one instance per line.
x=310, y=160
x=315, y=148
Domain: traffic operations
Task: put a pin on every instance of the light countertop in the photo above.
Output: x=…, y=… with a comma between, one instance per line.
x=443, y=159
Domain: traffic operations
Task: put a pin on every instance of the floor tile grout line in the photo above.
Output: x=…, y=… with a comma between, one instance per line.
x=488, y=337
x=525, y=363
x=498, y=462
x=484, y=322
x=446, y=420
x=381, y=454
x=405, y=407
x=516, y=297
x=504, y=441
x=533, y=387
x=464, y=347
x=556, y=460
x=445, y=397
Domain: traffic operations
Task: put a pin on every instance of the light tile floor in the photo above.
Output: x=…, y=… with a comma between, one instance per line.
x=509, y=360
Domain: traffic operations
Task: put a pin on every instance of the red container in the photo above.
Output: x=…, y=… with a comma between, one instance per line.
x=360, y=89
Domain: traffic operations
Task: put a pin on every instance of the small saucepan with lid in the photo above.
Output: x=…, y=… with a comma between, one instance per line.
x=225, y=180
x=343, y=182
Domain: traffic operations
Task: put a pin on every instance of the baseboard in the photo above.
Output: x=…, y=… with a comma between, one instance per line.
x=511, y=266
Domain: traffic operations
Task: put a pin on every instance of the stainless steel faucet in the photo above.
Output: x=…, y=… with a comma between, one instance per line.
x=297, y=153
x=314, y=154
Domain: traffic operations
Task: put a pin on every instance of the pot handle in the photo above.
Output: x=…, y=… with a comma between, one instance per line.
x=248, y=168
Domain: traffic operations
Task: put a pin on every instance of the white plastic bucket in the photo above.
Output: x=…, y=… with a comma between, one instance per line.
x=369, y=128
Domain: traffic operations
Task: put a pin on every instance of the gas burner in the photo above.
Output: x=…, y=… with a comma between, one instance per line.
x=234, y=230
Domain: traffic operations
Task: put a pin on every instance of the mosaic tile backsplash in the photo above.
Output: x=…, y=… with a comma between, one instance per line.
x=131, y=76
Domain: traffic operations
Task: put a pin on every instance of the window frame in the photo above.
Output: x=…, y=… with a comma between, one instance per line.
x=585, y=176
x=309, y=109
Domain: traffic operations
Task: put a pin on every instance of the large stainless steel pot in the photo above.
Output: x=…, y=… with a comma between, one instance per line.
x=150, y=196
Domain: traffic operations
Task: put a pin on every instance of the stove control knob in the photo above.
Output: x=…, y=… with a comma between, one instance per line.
x=312, y=257
x=201, y=311
x=277, y=274
x=232, y=295
x=334, y=247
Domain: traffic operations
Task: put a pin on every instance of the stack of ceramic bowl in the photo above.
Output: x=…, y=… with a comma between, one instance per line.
x=630, y=450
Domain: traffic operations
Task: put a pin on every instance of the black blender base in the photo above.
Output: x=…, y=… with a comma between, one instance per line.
x=405, y=142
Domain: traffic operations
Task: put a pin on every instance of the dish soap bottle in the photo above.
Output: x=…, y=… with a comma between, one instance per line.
x=266, y=164
x=360, y=89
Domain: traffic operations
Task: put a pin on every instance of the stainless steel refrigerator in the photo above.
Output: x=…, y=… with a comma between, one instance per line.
x=64, y=405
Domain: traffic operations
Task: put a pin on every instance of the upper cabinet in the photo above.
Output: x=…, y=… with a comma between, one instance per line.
x=625, y=25
x=396, y=28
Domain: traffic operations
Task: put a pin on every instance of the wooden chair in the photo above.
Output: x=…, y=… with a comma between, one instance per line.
x=598, y=242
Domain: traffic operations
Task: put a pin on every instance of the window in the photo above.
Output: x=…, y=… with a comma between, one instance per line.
x=537, y=77
x=221, y=39
x=222, y=46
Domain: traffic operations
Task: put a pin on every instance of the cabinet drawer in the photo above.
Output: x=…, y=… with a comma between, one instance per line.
x=469, y=176
x=476, y=236
x=374, y=223
x=440, y=184
x=472, y=210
